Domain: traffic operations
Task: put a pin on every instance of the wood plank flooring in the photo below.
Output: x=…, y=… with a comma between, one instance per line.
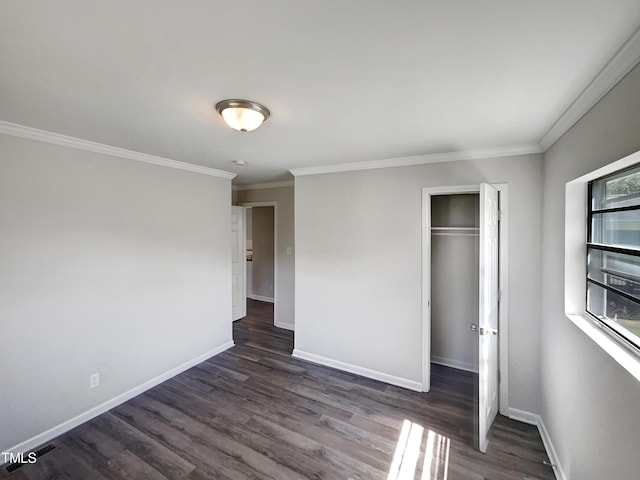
x=254, y=412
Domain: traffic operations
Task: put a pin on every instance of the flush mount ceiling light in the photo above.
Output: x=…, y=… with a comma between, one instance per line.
x=242, y=115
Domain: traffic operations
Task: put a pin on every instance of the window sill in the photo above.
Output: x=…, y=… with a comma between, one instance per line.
x=625, y=356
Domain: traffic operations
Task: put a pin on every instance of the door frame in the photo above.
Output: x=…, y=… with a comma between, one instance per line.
x=275, y=251
x=503, y=279
x=242, y=227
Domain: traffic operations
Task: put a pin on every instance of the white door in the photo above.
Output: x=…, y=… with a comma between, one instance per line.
x=488, y=314
x=238, y=263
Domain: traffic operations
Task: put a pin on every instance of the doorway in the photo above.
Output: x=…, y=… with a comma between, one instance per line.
x=454, y=280
x=465, y=299
x=261, y=253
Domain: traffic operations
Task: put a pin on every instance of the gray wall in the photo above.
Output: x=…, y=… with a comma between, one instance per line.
x=358, y=265
x=284, y=307
x=589, y=402
x=263, y=260
x=107, y=265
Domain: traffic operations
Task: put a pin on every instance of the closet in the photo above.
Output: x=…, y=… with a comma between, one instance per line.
x=454, y=280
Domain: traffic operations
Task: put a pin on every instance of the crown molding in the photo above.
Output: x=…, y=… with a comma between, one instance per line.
x=420, y=160
x=80, y=144
x=260, y=186
x=622, y=63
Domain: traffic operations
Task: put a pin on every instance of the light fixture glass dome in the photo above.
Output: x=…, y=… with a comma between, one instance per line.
x=242, y=115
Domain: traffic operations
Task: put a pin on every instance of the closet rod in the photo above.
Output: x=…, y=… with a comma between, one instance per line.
x=455, y=228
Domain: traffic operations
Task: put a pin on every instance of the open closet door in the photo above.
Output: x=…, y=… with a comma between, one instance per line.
x=238, y=264
x=488, y=314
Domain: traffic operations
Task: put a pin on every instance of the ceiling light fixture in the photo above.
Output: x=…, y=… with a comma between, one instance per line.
x=242, y=115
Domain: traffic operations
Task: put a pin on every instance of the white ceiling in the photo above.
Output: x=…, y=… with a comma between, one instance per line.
x=346, y=81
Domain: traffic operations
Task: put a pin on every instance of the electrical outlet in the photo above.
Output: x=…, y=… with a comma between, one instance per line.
x=94, y=380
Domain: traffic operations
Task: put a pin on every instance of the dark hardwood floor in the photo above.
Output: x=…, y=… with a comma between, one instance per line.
x=254, y=412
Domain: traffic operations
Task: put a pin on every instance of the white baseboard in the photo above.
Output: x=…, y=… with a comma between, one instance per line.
x=448, y=362
x=70, y=424
x=551, y=451
x=365, y=372
x=533, y=419
x=261, y=298
x=288, y=326
x=524, y=416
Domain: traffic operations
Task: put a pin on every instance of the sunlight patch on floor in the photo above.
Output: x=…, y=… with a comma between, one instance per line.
x=406, y=458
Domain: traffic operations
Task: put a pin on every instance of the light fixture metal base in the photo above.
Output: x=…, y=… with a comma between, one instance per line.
x=236, y=103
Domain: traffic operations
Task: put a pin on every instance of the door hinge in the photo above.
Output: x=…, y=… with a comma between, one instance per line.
x=499, y=295
x=499, y=376
x=499, y=215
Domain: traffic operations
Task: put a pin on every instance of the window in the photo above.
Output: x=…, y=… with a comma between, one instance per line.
x=613, y=253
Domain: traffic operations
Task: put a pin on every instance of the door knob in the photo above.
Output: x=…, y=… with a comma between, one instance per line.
x=488, y=331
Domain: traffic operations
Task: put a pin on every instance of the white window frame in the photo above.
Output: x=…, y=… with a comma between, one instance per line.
x=596, y=244
x=576, y=214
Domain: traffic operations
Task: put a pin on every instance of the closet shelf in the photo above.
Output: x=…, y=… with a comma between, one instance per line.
x=455, y=231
